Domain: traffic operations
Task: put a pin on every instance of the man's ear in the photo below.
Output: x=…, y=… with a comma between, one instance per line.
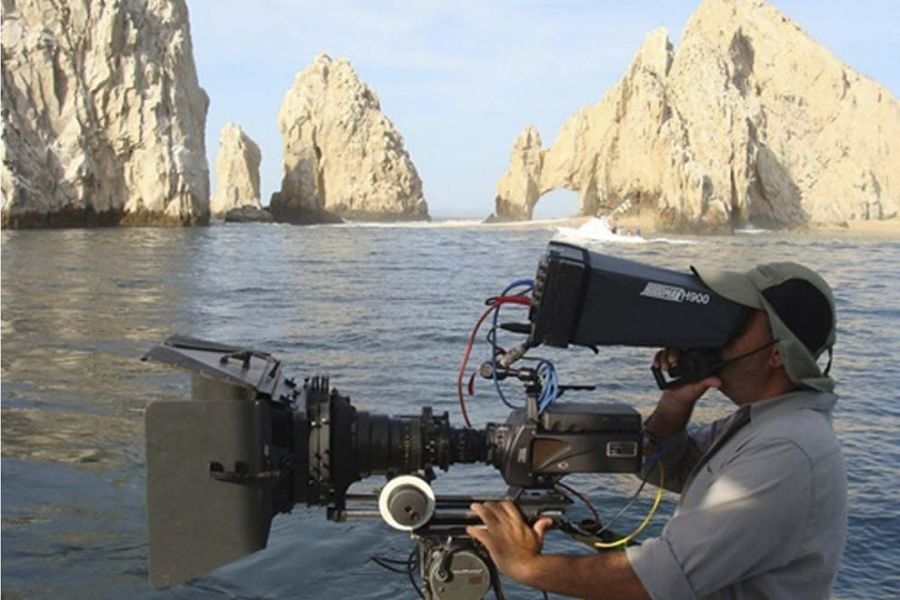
x=775, y=359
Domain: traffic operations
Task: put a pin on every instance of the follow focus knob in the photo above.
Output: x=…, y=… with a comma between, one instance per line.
x=406, y=502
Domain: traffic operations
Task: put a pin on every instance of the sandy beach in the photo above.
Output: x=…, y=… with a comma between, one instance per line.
x=887, y=228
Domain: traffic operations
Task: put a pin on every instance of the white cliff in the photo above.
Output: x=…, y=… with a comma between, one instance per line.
x=103, y=116
x=750, y=121
x=343, y=158
x=237, y=172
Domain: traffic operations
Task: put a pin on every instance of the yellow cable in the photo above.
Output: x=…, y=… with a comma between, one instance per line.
x=647, y=519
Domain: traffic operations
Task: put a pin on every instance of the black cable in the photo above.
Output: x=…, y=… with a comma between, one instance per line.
x=605, y=528
x=495, y=583
x=384, y=563
x=580, y=496
x=545, y=595
x=395, y=561
x=491, y=338
x=631, y=502
x=412, y=563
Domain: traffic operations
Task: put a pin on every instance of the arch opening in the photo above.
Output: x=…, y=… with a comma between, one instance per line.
x=558, y=203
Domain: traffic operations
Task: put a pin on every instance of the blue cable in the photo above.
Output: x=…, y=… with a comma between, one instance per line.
x=550, y=384
x=655, y=457
x=528, y=284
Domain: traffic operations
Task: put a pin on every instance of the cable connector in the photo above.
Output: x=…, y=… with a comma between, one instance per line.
x=512, y=356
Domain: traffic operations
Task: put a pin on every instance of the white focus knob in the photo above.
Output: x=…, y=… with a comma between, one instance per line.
x=406, y=502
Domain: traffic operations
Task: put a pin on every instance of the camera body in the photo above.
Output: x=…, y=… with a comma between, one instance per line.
x=537, y=450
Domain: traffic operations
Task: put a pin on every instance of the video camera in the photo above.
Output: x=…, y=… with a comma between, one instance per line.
x=252, y=443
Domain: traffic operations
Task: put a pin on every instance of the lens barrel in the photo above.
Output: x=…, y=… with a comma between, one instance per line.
x=342, y=445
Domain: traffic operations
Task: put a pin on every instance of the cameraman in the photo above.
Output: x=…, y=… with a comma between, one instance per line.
x=762, y=512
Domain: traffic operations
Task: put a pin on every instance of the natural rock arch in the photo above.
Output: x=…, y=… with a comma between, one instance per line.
x=749, y=122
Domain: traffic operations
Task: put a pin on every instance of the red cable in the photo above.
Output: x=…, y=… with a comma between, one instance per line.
x=511, y=300
x=495, y=304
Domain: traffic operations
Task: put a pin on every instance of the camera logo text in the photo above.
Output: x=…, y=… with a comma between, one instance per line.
x=673, y=293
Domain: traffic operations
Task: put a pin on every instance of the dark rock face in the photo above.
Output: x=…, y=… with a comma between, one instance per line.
x=248, y=214
x=69, y=217
x=283, y=212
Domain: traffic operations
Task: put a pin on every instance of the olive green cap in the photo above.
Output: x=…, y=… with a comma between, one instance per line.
x=759, y=288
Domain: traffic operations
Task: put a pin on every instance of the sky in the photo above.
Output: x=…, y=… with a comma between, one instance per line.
x=460, y=80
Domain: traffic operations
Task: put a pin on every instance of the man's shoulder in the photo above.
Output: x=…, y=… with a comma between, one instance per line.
x=800, y=419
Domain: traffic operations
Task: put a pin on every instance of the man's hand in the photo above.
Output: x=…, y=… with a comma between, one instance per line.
x=674, y=408
x=515, y=549
x=513, y=545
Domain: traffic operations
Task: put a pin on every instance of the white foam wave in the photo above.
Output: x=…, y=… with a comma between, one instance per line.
x=751, y=230
x=598, y=231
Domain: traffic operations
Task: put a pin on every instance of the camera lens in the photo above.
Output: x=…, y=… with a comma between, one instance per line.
x=336, y=445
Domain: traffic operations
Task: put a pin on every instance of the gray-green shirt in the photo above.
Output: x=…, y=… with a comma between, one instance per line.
x=764, y=516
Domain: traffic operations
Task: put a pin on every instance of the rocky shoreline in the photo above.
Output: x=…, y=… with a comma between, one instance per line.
x=68, y=217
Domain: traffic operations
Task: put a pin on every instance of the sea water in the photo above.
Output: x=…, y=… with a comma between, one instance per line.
x=385, y=311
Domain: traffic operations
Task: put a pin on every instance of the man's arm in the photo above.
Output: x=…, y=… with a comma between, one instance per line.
x=607, y=576
x=750, y=520
x=675, y=406
x=515, y=549
x=665, y=428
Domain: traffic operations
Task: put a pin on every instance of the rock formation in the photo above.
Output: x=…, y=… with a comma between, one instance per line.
x=103, y=117
x=248, y=214
x=750, y=121
x=342, y=157
x=237, y=172
x=522, y=180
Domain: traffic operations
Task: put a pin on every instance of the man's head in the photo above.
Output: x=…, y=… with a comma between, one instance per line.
x=799, y=308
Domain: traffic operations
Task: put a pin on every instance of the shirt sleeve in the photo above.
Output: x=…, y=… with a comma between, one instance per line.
x=749, y=520
x=679, y=453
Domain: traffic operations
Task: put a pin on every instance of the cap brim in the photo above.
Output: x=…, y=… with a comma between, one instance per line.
x=737, y=287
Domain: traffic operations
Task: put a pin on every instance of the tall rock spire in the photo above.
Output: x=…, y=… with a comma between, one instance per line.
x=343, y=158
x=237, y=172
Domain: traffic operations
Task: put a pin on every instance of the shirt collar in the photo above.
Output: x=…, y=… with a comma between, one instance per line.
x=793, y=401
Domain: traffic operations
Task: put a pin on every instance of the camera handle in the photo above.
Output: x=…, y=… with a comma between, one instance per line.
x=693, y=365
x=698, y=364
x=527, y=375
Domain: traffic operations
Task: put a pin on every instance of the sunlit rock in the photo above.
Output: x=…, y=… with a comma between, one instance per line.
x=750, y=121
x=343, y=158
x=103, y=117
x=237, y=173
